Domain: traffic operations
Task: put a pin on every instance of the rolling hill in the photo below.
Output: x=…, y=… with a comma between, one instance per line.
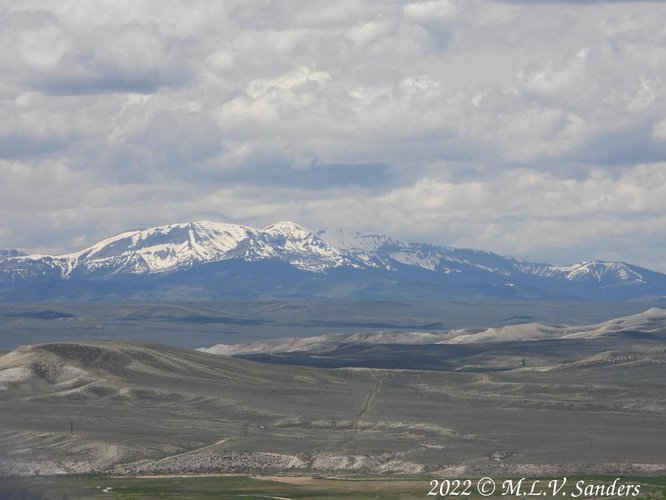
x=133, y=408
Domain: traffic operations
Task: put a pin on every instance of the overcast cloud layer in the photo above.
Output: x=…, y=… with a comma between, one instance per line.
x=535, y=129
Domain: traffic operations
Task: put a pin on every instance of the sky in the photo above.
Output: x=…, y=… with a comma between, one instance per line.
x=535, y=129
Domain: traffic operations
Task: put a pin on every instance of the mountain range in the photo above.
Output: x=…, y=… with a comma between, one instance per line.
x=205, y=260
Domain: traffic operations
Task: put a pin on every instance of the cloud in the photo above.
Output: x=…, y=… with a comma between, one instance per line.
x=522, y=212
x=17, y=146
x=45, y=52
x=316, y=177
x=577, y=2
x=522, y=127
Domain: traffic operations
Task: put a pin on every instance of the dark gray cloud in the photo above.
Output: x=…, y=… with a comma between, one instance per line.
x=315, y=177
x=16, y=146
x=625, y=146
x=141, y=83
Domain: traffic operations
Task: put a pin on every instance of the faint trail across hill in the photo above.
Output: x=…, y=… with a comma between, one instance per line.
x=368, y=401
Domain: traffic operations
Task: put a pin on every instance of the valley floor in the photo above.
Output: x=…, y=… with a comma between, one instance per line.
x=227, y=487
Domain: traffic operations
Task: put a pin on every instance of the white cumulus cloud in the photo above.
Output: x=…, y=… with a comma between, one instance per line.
x=529, y=128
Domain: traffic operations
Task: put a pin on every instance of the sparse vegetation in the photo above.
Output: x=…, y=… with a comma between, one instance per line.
x=358, y=487
x=127, y=409
x=149, y=409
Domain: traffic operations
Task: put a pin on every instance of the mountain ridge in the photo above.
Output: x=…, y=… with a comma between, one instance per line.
x=312, y=262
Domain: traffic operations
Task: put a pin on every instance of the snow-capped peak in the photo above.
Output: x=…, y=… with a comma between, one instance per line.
x=174, y=246
x=594, y=270
x=163, y=248
x=287, y=228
